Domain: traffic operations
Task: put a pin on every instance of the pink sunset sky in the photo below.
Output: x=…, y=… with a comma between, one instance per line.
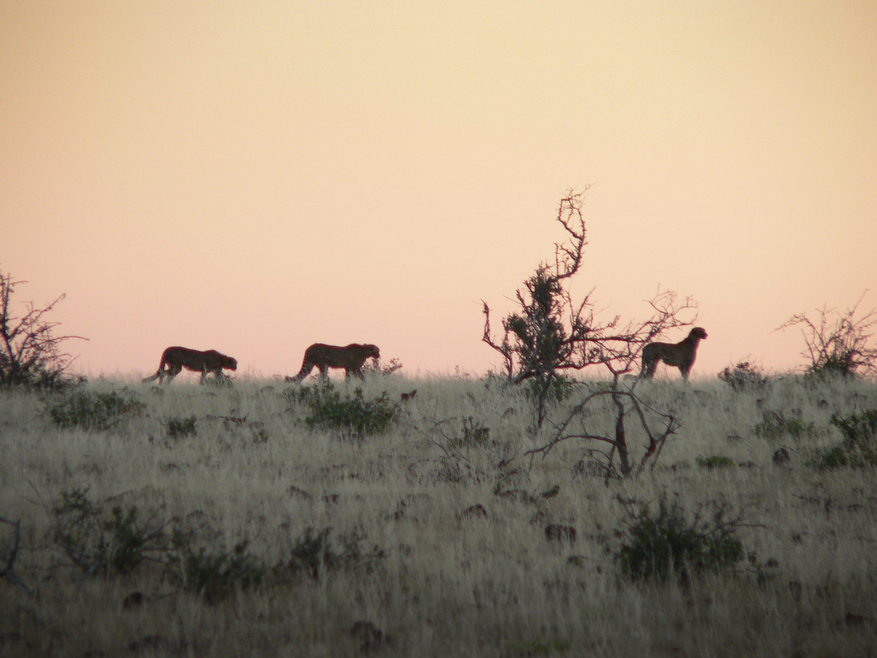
x=254, y=177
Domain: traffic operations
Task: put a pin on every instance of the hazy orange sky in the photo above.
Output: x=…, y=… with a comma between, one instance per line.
x=255, y=177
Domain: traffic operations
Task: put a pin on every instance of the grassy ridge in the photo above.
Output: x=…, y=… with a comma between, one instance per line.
x=429, y=536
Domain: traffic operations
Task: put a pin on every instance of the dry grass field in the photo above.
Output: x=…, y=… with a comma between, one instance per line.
x=243, y=530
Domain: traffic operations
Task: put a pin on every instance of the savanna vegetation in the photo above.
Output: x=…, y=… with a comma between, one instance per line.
x=312, y=520
x=561, y=506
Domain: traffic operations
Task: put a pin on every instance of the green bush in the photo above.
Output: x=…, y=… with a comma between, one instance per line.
x=858, y=448
x=98, y=543
x=474, y=435
x=716, y=461
x=668, y=545
x=775, y=426
x=858, y=429
x=178, y=428
x=354, y=416
x=98, y=411
x=745, y=377
x=559, y=388
x=313, y=554
x=212, y=576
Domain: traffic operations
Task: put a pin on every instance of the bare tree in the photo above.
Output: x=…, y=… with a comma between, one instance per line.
x=551, y=334
x=618, y=349
x=838, y=343
x=30, y=352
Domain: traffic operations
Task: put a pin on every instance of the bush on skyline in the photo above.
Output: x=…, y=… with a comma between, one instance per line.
x=837, y=343
x=30, y=352
x=550, y=335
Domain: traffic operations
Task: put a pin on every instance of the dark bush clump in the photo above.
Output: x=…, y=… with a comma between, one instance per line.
x=474, y=434
x=668, y=545
x=858, y=448
x=98, y=411
x=353, y=416
x=104, y=544
x=745, y=377
x=313, y=554
x=715, y=461
x=178, y=428
x=775, y=426
x=213, y=576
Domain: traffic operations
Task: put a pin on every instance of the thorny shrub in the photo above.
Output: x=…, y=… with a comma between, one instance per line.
x=353, y=415
x=715, y=461
x=100, y=543
x=377, y=367
x=858, y=448
x=745, y=377
x=775, y=426
x=212, y=576
x=658, y=547
x=93, y=411
x=313, y=554
x=116, y=543
x=178, y=428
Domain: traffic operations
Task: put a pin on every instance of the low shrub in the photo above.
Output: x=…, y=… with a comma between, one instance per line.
x=178, y=428
x=559, y=388
x=667, y=545
x=745, y=377
x=98, y=411
x=352, y=415
x=474, y=435
x=716, y=461
x=377, y=367
x=314, y=555
x=858, y=448
x=212, y=576
x=775, y=426
x=101, y=543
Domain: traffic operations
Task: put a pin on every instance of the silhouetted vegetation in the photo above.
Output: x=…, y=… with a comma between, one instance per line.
x=745, y=376
x=30, y=352
x=551, y=334
x=838, y=343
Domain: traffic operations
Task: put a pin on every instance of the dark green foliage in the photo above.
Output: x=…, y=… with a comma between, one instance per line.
x=557, y=389
x=552, y=492
x=715, y=461
x=177, y=428
x=474, y=435
x=212, y=576
x=775, y=426
x=98, y=411
x=745, y=377
x=668, y=545
x=858, y=448
x=98, y=543
x=313, y=554
x=352, y=415
x=116, y=544
x=858, y=429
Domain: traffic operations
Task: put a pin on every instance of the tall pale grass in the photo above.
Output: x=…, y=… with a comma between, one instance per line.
x=451, y=584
